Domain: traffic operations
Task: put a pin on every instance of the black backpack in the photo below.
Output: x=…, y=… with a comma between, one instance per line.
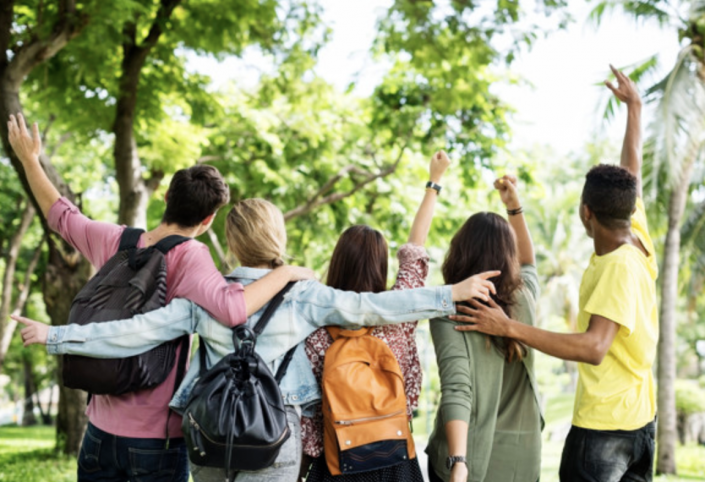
x=133, y=281
x=235, y=416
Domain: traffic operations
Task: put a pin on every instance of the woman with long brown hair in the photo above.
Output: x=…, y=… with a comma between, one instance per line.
x=488, y=425
x=359, y=263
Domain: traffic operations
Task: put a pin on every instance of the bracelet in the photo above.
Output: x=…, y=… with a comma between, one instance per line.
x=514, y=212
x=434, y=186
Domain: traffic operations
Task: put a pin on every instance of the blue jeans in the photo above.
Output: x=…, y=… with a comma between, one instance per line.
x=108, y=458
x=608, y=455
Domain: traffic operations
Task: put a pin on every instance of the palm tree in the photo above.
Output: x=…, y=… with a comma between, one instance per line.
x=674, y=147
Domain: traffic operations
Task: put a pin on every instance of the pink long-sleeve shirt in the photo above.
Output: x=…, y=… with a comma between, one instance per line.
x=191, y=274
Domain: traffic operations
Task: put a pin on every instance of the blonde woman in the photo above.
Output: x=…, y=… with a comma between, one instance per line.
x=257, y=237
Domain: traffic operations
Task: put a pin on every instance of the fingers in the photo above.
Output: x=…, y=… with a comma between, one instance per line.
x=35, y=132
x=22, y=125
x=466, y=328
x=611, y=87
x=463, y=318
x=466, y=309
x=493, y=303
x=23, y=320
x=489, y=274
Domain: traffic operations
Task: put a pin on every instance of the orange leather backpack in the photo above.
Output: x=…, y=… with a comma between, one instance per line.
x=365, y=426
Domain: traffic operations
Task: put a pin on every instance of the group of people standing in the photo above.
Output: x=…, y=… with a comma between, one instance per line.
x=488, y=425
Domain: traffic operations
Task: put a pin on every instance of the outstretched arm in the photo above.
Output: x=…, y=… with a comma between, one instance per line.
x=627, y=92
x=424, y=216
x=589, y=347
x=507, y=187
x=28, y=148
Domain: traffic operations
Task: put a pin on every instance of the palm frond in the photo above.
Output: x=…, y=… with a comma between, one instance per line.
x=644, y=10
x=677, y=131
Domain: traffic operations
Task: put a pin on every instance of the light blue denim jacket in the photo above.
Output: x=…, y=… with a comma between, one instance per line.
x=308, y=306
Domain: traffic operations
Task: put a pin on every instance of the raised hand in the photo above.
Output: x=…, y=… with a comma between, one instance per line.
x=507, y=187
x=626, y=90
x=34, y=331
x=439, y=164
x=26, y=146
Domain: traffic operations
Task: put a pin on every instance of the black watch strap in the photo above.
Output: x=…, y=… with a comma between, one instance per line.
x=454, y=459
x=434, y=186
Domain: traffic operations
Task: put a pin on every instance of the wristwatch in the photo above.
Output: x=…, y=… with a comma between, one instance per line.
x=454, y=459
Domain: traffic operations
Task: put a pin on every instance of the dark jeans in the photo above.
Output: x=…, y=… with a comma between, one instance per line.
x=608, y=455
x=108, y=458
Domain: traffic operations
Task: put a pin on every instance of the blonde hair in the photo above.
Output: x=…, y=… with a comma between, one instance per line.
x=256, y=233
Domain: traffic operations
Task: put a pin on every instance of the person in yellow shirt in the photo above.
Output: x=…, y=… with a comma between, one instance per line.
x=612, y=437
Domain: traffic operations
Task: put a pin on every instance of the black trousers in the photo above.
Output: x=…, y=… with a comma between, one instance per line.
x=608, y=455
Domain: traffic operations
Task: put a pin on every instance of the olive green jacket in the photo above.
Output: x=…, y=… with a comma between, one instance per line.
x=497, y=399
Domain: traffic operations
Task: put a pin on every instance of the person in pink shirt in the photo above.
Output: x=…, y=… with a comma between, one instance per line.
x=134, y=426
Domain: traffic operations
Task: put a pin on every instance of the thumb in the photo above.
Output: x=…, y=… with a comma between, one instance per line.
x=493, y=303
x=489, y=274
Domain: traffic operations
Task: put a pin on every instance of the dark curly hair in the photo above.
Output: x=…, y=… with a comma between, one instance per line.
x=610, y=193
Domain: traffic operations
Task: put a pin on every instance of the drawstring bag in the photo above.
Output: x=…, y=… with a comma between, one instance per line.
x=235, y=416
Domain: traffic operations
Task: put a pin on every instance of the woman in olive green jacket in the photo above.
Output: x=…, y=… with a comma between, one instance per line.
x=488, y=425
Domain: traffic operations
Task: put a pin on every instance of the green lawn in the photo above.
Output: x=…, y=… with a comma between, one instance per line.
x=26, y=455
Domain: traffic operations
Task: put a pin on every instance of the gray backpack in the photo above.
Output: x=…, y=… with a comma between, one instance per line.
x=133, y=281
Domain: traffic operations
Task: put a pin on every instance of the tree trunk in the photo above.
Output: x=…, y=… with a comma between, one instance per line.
x=667, y=417
x=30, y=388
x=62, y=282
x=135, y=191
x=8, y=281
x=67, y=271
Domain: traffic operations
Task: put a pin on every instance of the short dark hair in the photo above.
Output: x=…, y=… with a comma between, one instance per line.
x=194, y=194
x=610, y=193
x=359, y=261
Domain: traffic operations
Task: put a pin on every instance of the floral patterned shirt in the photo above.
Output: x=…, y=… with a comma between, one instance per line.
x=401, y=339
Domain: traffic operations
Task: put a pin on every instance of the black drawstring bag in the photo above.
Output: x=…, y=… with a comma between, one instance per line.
x=235, y=416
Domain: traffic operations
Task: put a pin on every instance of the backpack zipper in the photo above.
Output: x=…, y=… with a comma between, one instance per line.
x=195, y=425
x=367, y=419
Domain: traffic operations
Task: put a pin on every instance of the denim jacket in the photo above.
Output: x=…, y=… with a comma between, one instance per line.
x=308, y=306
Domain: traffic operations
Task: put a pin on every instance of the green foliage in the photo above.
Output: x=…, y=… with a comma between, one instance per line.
x=690, y=398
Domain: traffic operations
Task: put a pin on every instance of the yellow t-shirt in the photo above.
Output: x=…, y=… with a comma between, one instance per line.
x=619, y=394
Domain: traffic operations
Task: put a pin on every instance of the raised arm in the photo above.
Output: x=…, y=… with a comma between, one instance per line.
x=28, y=147
x=507, y=187
x=424, y=216
x=627, y=92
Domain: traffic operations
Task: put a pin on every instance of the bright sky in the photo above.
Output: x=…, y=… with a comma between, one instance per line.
x=560, y=106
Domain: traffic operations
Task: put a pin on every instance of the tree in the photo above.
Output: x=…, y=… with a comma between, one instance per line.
x=674, y=147
x=30, y=33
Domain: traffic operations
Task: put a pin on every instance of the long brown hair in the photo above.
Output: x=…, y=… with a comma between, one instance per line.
x=486, y=242
x=359, y=261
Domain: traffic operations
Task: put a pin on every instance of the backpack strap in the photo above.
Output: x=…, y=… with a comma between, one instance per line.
x=281, y=371
x=130, y=237
x=271, y=308
x=180, y=372
x=166, y=244
x=202, y=356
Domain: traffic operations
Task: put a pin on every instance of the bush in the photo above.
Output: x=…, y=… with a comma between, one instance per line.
x=690, y=398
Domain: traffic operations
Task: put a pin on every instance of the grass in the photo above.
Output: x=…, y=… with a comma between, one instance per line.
x=27, y=453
